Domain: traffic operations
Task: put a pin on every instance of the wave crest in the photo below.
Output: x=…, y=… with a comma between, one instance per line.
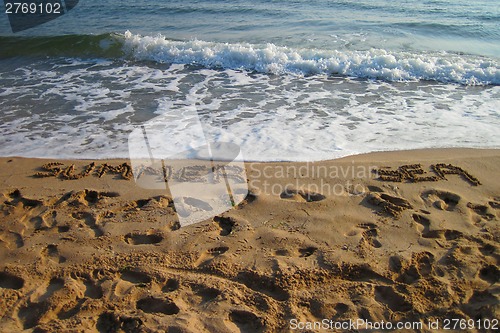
x=266, y=58
x=269, y=58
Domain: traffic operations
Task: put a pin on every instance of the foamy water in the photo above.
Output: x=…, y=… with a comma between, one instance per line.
x=269, y=58
x=272, y=117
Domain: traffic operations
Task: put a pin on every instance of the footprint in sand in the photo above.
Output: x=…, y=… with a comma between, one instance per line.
x=89, y=197
x=170, y=286
x=204, y=293
x=92, y=288
x=39, y=223
x=30, y=314
x=447, y=234
x=340, y=310
x=17, y=198
x=52, y=253
x=490, y=250
x=68, y=312
x=44, y=221
x=101, y=274
x=142, y=204
x=210, y=254
x=226, y=225
x=11, y=240
x=185, y=206
x=490, y=273
x=420, y=266
x=283, y=253
x=116, y=322
x=158, y=306
x=263, y=283
x=442, y=200
x=81, y=288
x=426, y=232
x=158, y=202
x=487, y=302
x=364, y=273
x=301, y=196
x=57, y=298
x=394, y=300
x=424, y=223
x=389, y=204
x=174, y=225
x=90, y=220
x=359, y=228
x=135, y=277
x=217, y=250
x=369, y=235
x=10, y=281
x=367, y=225
x=373, y=188
x=495, y=203
x=129, y=279
x=301, y=252
x=26, y=210
x=45, y=292
x=246, y=321
x=482, y=210
x=63, y=228
x=250, y=197
x=143, y=238
x=307, y=251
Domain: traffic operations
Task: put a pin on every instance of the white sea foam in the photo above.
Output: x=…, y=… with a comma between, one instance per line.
x=270, y=58
x=79, y=113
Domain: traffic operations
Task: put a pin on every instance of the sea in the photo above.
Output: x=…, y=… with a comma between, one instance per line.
x=285, y=80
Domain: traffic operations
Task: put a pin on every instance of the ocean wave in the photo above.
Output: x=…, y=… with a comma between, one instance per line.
x=270, y=58
x=380, y=64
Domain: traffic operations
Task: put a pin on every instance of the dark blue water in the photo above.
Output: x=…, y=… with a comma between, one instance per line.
x=453, y=25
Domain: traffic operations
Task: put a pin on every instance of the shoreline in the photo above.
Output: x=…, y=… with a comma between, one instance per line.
x=421, y=151
x=325, y=240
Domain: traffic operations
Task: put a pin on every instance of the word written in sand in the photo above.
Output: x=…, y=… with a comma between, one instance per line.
x=60, y=170
x=193, y=173
x=414, y=172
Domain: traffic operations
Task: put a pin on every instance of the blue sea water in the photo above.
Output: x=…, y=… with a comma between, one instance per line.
x=291, y=80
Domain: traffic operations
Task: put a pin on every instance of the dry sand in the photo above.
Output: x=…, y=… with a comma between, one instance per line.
x=103, y=255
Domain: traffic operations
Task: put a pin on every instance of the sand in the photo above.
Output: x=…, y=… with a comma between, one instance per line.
x=400, y=237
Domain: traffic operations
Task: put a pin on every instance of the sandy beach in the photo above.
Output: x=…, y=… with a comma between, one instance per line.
x=401, y=237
